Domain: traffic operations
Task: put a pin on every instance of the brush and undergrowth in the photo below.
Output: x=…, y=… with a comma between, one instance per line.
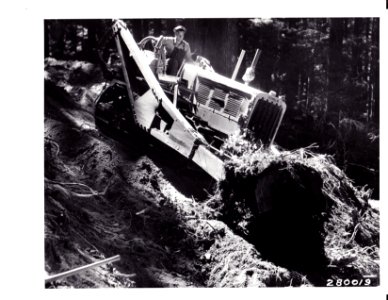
x=280, y=218
x=300, y=211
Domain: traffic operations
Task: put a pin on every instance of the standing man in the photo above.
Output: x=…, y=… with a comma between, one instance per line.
x=177, y=50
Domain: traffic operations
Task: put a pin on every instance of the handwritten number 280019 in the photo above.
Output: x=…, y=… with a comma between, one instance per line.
x=348, y=282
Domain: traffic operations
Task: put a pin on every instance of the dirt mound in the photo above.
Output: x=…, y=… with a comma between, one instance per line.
x=104, y=197
x=300, y=211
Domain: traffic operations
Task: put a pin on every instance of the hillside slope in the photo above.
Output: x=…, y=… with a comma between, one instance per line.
x=172, y=225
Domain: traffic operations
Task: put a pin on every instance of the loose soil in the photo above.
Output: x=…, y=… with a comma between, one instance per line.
x=172, y=225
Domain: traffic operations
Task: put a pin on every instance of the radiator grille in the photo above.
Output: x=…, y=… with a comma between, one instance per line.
x=218, y=99
x=219, y=94
x=203, y=93
x=233, y=105
x=265, y=118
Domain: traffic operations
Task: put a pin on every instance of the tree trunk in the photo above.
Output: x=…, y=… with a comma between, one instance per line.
x=335, y=75
x=90, y=46
x=57, y=36
x=368, y=72
x=288, y=64
x=356, y=49
x=230, y=40
x=376, y=70
x=46, y=28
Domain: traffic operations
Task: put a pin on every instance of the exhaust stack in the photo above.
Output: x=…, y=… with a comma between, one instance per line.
x=250, y=72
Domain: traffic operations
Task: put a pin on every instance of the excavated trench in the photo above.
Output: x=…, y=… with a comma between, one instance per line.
x=108, y=194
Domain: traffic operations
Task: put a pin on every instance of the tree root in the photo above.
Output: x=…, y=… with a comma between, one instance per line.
x=55, y=144
x=93, y=193
x=355, y=230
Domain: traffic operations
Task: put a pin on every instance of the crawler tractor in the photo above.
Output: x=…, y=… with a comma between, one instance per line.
x=193, y=112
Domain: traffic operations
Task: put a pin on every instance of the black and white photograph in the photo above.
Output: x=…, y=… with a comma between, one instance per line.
x=211, y=152
x=194, y=149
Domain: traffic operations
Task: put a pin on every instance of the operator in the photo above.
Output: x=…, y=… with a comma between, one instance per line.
x=177, y=50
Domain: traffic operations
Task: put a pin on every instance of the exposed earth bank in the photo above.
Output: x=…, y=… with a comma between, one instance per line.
x=173, y=226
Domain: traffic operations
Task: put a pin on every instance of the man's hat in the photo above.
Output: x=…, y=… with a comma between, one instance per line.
x=179, y=28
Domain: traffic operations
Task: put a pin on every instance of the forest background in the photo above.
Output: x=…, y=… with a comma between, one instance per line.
x=327, y=69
